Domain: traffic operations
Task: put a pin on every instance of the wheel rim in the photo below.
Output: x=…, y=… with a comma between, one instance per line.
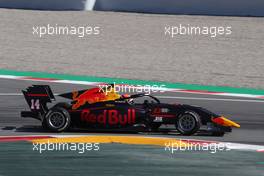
x=57, y=120
x=187, y=123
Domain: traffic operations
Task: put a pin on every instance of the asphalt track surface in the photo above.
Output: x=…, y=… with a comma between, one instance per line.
x=127, y=160
x=134, y=46
x=249, y=113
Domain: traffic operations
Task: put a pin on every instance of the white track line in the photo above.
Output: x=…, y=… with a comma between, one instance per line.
x=172, y=97
x=210, y=99
x=11, y=94
x=161, y=89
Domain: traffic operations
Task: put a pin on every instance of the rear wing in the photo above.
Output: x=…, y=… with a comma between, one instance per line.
x=37, y=97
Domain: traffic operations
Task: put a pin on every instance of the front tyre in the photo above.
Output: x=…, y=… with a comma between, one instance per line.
x=58, y=119
x=188, y=123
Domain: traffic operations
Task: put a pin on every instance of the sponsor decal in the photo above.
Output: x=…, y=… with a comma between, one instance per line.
x=93, y=95
x=160, y=113
x=157, y=111
x=158, y=119
x=111, y=117
x=89, y=96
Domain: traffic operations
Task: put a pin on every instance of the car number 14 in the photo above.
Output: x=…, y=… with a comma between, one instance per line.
x=35, y=104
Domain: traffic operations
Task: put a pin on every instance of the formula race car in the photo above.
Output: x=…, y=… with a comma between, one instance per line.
x=93, y=108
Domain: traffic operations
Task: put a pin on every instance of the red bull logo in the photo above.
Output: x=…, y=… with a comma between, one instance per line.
x=90, y=96
x=111, y=117
x=93, y=96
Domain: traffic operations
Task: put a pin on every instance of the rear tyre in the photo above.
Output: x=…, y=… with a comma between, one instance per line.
x=188, y=123
x=58, y=119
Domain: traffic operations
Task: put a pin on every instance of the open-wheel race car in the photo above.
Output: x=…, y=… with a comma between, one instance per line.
x=93, y=108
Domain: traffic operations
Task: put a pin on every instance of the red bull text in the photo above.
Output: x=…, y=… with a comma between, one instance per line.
x=111, y=117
